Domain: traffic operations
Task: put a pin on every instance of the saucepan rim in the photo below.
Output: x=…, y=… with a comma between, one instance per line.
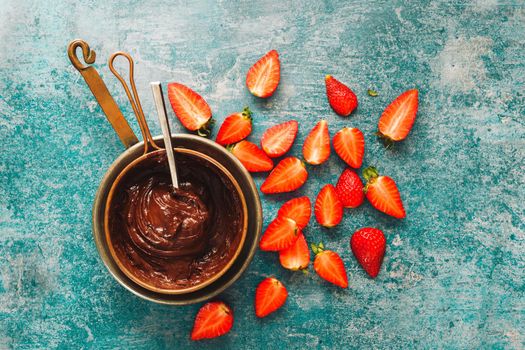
x=254, y=214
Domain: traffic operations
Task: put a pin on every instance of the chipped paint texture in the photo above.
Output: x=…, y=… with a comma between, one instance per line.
x=454, y=272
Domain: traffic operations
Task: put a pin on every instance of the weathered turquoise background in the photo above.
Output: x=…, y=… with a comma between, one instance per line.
x=454, y=273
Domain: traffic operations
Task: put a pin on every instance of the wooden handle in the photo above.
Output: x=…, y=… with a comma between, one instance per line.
x=100, y=91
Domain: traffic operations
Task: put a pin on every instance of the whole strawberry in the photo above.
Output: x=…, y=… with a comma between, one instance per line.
x=368, y=245
x=349, y=189
x=342, y=100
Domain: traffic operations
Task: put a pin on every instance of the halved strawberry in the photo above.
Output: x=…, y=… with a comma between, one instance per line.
x=280, y=234
x=397, y=119
x=368, y=245
x=383, y=194
x=328, y=207
x=251, y=156
x=329, y=266
x=287, y=176
x=342, y=100
x=298, y=209
x=349, y=144
x=263, y=77
x=270, y=295
x=191, y=109
x=349, y=189
x=297, y=257
x=213, y=320
x=278, y=139
x=236, y=127
x=316, y=147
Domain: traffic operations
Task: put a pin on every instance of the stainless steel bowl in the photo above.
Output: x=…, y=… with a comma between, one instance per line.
x=245, y=256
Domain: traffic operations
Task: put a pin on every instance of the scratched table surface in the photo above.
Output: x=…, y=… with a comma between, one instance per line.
x=453, y=274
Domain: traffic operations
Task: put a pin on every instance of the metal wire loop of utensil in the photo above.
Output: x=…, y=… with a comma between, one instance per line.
x=133, y=98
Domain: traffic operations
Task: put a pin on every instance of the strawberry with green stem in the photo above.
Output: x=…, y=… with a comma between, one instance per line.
x=236, y=127
x=382, y=193
x=329, y=266
x=191, y=109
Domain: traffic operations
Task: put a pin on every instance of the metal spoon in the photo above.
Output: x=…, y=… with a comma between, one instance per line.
x=166, y=133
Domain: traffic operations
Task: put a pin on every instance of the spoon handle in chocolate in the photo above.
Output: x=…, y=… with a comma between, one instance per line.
x=166, y=133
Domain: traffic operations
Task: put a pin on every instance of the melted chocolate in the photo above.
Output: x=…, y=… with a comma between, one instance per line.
x=175, y=238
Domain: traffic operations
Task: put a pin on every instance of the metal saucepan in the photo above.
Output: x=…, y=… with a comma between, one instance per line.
x=187, y=144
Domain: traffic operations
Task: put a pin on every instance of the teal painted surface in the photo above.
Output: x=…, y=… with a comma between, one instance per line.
x=453, y=275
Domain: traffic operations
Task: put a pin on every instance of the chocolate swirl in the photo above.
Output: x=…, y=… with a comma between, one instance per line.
x=175, y=238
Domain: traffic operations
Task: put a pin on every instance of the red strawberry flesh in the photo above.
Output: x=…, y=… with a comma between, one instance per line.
x=297, y=257
x=278, y=139
x=280, y=234
x=349, y=144
x=263, y=77
x=270, y=296
x=328, y=207
x=251, y=156
x=316, y=147
x=213, y=320
x=287, y=176
x=398, y=118
x=189, y=107
x=298, y=209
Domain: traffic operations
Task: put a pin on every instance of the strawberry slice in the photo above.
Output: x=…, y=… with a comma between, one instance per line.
x=328, y=208
x=329, y=266
x=316, y=148
x=191, y=109
x=236, y=127
x=349, y=144
x=349, y=189
x=287, y=176
x=280, y=234
x=397, y=119
x=298, y=209
x=251, y=156
x=342, y=100
x=263, y=77
x=278, y=139
x=270, y=295
x=297, y=257
x=368, y=245
x=213, y=320
x=383, y=194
